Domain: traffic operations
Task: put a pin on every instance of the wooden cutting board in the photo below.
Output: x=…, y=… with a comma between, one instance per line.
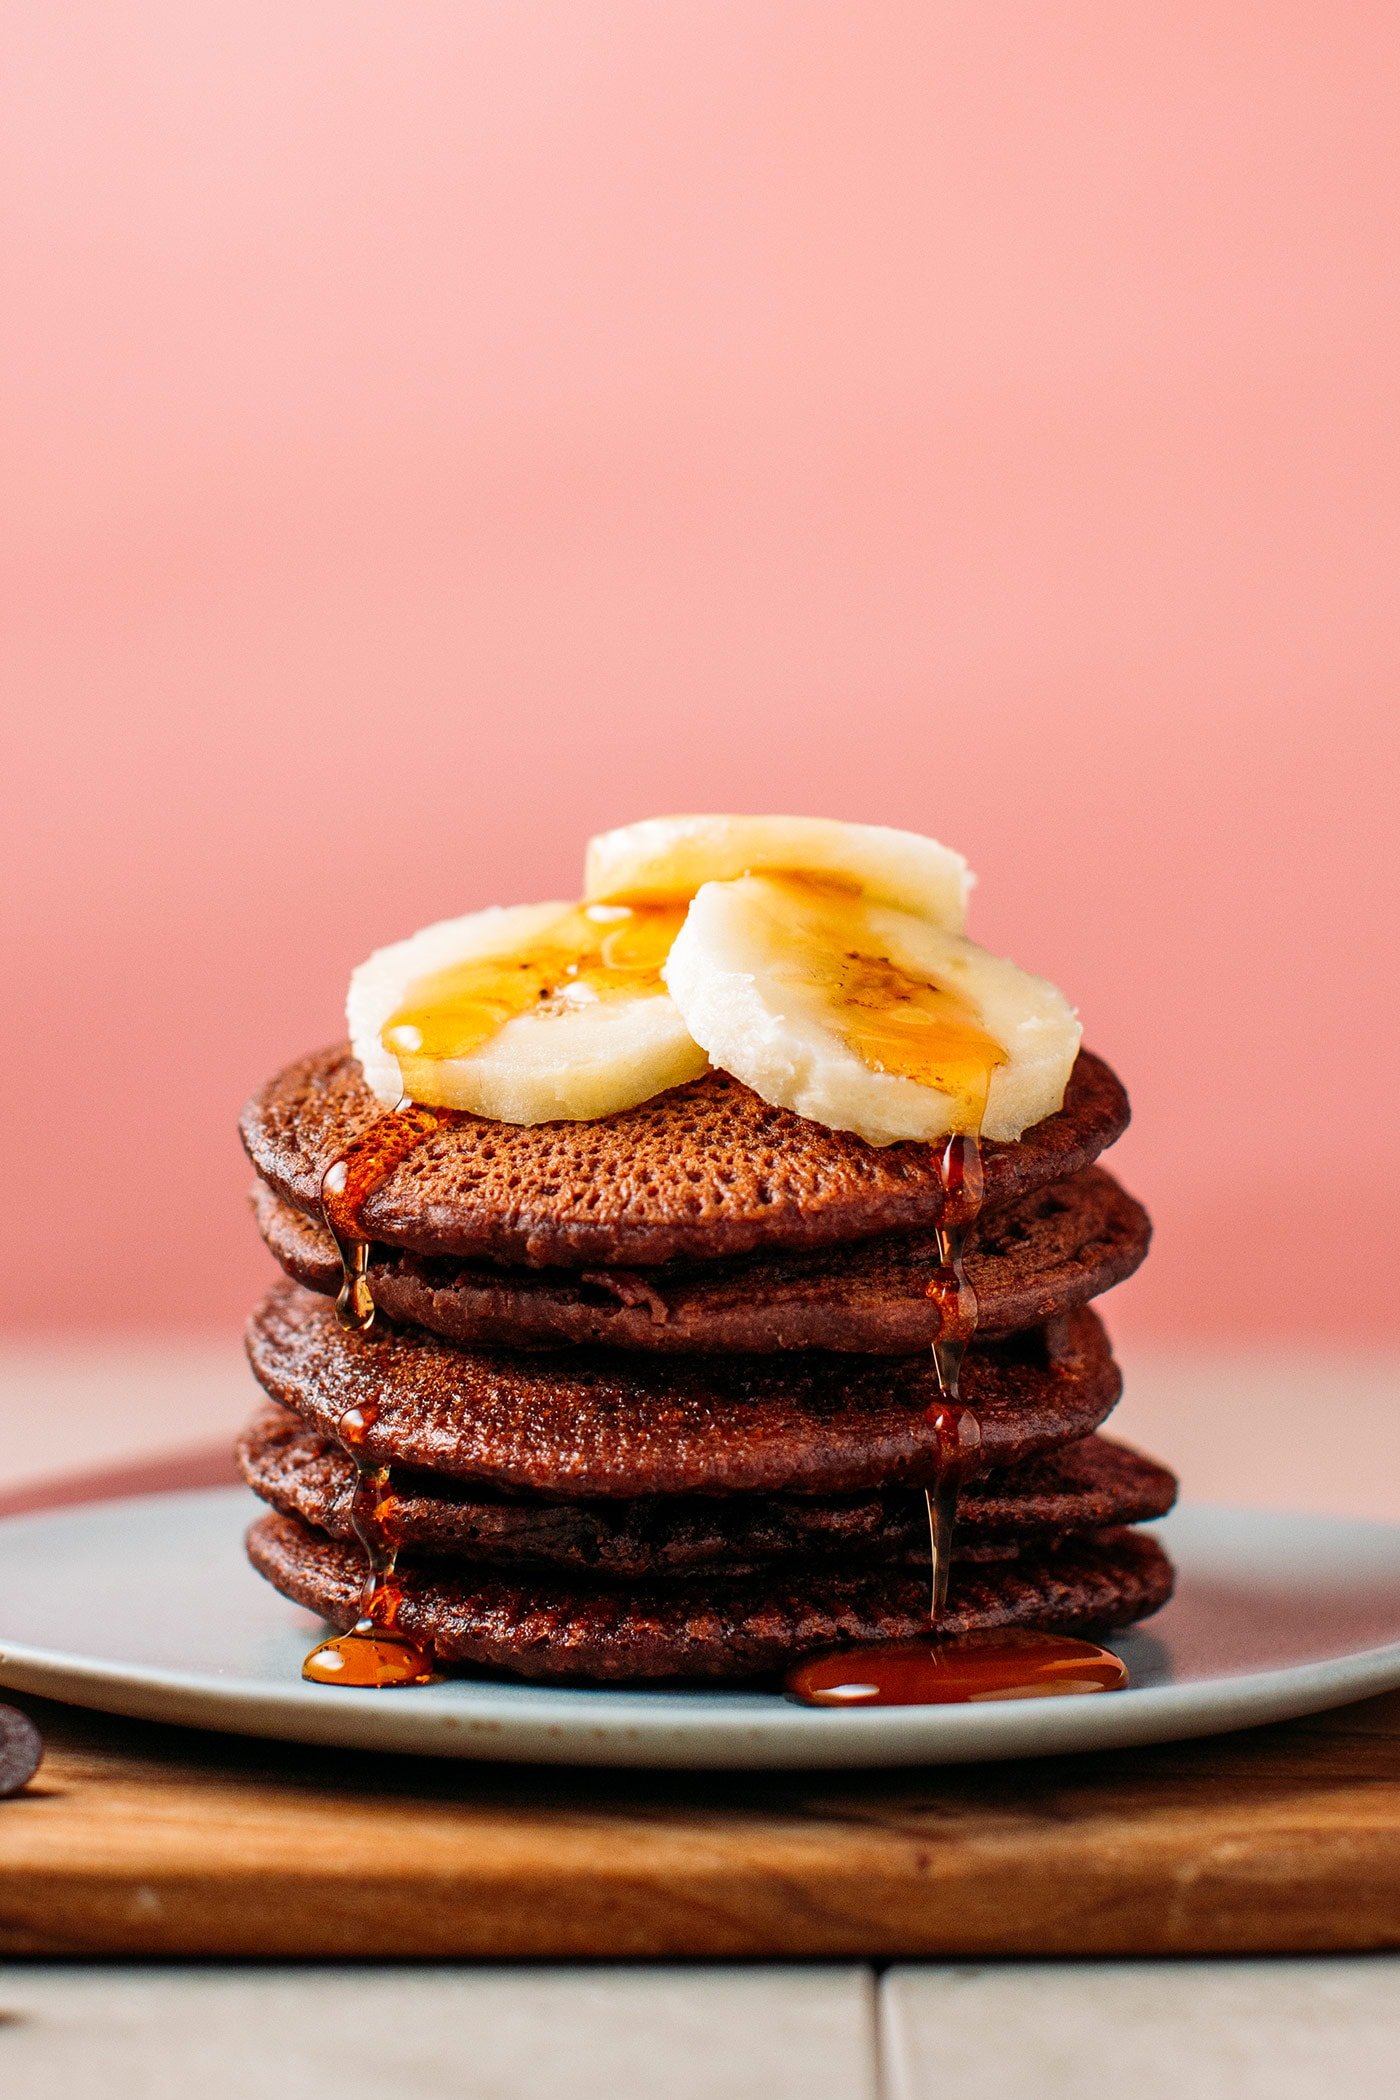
x=136, y=1839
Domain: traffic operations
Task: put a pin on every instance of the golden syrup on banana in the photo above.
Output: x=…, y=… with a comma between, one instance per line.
x=896, y=1019
x=374, y=1654
x=592, y=951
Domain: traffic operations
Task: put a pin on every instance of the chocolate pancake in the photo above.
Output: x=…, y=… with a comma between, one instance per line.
x=1083, y=1487
x=714, y=1627
x=702, y=1172
x=1029, y=1262
x=603, y=1423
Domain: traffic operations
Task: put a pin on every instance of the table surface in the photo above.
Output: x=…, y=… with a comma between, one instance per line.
x=1081, y=2028
x=1304, y=2030
x=138, y=1840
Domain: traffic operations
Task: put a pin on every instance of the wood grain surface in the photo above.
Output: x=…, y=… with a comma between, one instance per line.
x=136, y=1839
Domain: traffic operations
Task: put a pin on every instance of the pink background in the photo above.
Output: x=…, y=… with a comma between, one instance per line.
x=437, y=432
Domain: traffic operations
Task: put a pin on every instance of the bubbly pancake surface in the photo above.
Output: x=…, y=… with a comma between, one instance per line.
x=703, y=1172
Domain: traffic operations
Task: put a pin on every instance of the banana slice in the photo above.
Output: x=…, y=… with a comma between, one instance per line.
x=864, y=1017
x=665, y=859
x=530, y=1013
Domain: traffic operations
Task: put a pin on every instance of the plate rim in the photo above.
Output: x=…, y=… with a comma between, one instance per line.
x=691, y=1732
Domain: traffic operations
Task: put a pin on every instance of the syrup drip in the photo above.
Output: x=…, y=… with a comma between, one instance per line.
x=957, y=1429
x=971, y=1669
x=346, y=1187
x=374, y=1653
x=904, y=1022
x=949, y=1288
x=926, y=1037
x=591, y=952
x=958, y=1434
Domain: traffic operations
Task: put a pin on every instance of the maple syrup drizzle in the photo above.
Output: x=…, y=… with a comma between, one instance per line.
x=902, y=1021
x=346, y=1187
x=957, y=1429
x=923, y=1031
x=589, y=952
x=374, y=1653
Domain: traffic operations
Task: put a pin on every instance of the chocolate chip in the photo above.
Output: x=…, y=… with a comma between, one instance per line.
x=21, y=1748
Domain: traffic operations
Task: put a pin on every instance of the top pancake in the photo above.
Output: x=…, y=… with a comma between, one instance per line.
x=702, y=1172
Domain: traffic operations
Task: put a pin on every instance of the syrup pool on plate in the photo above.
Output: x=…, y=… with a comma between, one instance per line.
x=971, y=1670
x=374, y=1653
x=368, y=1659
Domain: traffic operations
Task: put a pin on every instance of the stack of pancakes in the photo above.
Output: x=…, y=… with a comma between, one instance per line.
x=657, y=1391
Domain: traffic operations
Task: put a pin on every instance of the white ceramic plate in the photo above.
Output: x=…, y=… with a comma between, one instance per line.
x=147, y=1607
